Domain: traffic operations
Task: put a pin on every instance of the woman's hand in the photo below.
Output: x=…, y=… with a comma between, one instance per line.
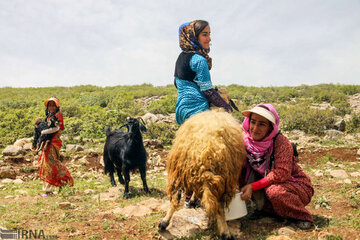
x=247, y=192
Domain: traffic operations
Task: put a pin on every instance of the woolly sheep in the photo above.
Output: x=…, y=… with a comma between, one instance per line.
x=206, y=157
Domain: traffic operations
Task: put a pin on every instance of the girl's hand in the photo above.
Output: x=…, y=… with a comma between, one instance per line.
x=247, y=192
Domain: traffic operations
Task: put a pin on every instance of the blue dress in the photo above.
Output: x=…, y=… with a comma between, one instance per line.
x=191, y=100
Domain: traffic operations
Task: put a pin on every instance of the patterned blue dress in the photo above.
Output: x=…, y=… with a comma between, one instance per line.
x=191, y=100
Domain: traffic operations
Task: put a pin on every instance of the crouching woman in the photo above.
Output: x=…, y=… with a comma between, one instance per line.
x=51, y=170
x=271, y=176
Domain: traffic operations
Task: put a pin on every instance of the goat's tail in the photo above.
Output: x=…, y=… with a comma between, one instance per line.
x=108, y=130
x=213, y=190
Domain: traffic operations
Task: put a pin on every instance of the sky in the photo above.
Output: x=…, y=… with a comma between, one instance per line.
x=118, y=42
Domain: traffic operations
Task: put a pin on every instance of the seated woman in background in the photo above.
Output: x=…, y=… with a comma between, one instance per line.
x=271, y=176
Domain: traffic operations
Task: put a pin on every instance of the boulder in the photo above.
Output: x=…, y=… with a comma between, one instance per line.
x=340, y=125
x=12, y=150
x=338, y=174
x=153, y=143
x=150, y=118
x=332, y=134
x=7, y=172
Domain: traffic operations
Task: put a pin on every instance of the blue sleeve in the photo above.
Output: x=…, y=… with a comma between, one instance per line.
x=199, y=65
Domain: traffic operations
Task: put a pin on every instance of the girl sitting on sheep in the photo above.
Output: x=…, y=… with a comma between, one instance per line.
x=192, y=76
x=271, y=175
x=51, y=170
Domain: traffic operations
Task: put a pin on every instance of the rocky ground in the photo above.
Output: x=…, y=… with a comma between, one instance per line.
x=335, y=205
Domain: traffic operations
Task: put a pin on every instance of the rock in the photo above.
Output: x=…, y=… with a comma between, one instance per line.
x=14, y=159
x=347, y=181
x=318, y=173
x=279, y=237
x=331, y=134
x=153, y=143
x=150, y=118
x=89, y=191
x=338, y=174
x=18, y=181
x=7, y=172
x=21, y=142
x=2, y=186
x=355, y=174
x=135, y=211
x=79, y=148
x=287, y=231
x=10, y=196
x=83, y=160
x=358, y=152
x=21, y=192
x=186, y=223
x=322, y=106
x=12, y=150
x=65, y=205
x=27, y=146
x=7, y=180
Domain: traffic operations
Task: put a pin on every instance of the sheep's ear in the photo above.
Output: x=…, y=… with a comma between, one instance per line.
x=232, y=104
x=142, y=128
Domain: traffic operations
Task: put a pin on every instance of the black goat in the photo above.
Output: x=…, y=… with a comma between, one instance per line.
x=125, y=151
x=43, y=125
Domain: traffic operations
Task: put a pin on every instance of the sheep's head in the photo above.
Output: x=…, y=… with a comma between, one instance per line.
x=134, y=123
x=225, y=95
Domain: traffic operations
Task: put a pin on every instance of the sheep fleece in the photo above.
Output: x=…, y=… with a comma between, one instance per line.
x=207, y=155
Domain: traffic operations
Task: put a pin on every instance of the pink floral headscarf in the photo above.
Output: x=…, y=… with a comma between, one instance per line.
x=260, y=148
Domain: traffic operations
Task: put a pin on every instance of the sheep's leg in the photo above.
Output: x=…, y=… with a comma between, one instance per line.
x=121, y=179
x=175, y=202
x=222, y=225
x=126, y=173
x=143, y=178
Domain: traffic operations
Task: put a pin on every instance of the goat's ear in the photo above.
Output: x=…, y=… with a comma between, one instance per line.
x=232, y=104
x=142, y=128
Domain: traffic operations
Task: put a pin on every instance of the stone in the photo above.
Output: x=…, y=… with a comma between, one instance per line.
x=12, y=150
x=18, y=181
x=279, y=237
x=7, y=172
x=318, y=173
x=355, y=174
x=27, y=146
x=2, y=186
x=331, y=134
x=287, y=231
x=21, y=142
x=65, y=205
x=150, y=118
x=153, y=143
x=338, y=174
x=358, y=152
x=7, y=180
x=21, y=192
x=347, y=181
x=89, y=191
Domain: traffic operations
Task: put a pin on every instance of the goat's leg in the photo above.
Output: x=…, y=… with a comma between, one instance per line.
x=121, y=179
x=174, y=204
x=126, y=173
x=222, y=225
x=143, y=178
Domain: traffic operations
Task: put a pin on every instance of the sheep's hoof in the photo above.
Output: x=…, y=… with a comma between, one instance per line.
x=227, y=237
x=126, y=195
x=163, y=225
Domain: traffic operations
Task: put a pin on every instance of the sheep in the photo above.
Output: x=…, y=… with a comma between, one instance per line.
x=40, y=126
x=206, y=157
x=225, y=95
x=124, y=151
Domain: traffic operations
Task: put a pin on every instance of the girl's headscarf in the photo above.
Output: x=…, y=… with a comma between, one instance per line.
x=189, y=42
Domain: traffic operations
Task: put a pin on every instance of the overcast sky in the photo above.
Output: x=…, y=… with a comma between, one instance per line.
x=120, y=42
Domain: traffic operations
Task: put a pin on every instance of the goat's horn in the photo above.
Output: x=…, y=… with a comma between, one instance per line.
x=143, y=122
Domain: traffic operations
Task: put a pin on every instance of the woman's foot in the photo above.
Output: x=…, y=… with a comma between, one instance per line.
x=304, y=225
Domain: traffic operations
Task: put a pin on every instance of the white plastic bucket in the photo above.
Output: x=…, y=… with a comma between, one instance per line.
x=237, y=208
